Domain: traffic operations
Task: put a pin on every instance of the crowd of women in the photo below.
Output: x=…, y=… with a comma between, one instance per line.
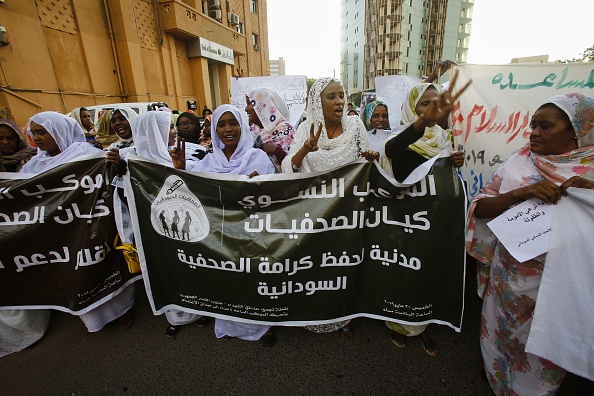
x=261, y=140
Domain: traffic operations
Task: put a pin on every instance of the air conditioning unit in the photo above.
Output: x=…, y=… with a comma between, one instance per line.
x=257, y=47
x=218, y=15
x=214, y=4
x=233, y=19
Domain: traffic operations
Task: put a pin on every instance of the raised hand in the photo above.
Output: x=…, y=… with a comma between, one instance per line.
x=440, y=107
x=178, y=154
x=311, y=144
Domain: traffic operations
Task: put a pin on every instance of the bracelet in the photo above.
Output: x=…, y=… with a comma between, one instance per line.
x=295, y=167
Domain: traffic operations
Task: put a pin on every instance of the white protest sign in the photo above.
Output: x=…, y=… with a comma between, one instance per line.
x=525, y=229
x=293, y=89
x=392, y=90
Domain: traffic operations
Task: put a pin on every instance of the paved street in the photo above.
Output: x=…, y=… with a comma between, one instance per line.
x=142, y=361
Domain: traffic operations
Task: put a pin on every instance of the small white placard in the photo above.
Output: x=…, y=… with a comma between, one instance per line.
x=525, y=229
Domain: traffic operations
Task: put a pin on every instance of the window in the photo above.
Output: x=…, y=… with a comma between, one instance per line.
x=253, y=6
x=255, y=40
x=240, y=28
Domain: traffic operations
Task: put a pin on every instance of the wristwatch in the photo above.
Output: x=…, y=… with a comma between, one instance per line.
x=295, y=167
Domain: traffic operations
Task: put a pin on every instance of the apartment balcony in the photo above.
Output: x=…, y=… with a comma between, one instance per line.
x=391, y=72
x=391, y=19
x=393, y=36
x=185, y=22
x=393, y=55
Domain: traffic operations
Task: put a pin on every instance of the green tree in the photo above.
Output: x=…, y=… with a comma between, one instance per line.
x=586, y=56
x=310, y=82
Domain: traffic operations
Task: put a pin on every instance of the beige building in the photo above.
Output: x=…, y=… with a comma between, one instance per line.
x=277, y=67
x=62, y=54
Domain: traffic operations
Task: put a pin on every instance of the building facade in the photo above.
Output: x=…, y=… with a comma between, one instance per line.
x=277, y=67
x=90, y=52
x=352, y=44
x=401, y=37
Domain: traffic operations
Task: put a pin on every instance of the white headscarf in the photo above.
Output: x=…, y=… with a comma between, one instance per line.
x=332, y=152
x=435, y=139
x=130, y=115
x=69, y=137
x=244, y=160
x=75, y=113
x=580, y=110
x=150, y=132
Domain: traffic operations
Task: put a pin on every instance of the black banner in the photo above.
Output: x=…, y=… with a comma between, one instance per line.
x=57, y=231
x=302, y=248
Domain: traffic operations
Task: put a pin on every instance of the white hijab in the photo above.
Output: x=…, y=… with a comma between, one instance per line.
x=130, y=115
x=69, y=137
x=332, y=152
x=150, y=132
x=244, y=160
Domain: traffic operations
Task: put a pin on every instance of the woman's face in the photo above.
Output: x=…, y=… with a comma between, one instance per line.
x=120, y=125
x=379, y=118
x=229, y=130
x=428, y=96
x=10, y=140
x=85, y=118
x=206, y=128
x=44, y=140
x=333, y=102
x=552, y=132
x=186, y=128
x=171, y=135
x=249, y=109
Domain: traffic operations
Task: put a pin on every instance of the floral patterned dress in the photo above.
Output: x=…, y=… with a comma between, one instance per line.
x=509, y=288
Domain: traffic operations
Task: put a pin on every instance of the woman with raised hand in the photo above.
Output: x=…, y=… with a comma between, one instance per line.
x=337, y=140
x=233, y=153
x=425, y=106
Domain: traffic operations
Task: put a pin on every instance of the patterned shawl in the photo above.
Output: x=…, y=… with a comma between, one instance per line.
x=273, y=113
x=524, y=167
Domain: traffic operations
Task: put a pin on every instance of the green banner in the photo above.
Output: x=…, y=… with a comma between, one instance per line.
x=296, y=249
x=57, y=231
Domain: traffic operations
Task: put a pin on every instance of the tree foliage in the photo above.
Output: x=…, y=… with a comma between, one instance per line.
x=586, y=56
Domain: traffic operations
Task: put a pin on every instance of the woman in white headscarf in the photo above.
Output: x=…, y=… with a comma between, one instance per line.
x=59, y=139
x=233, y=153
x=404, y=151
x=559, y=155
x=420, y=140
x=338, y=141
x=83, y=117
x=232, y=145
x=328, y=138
